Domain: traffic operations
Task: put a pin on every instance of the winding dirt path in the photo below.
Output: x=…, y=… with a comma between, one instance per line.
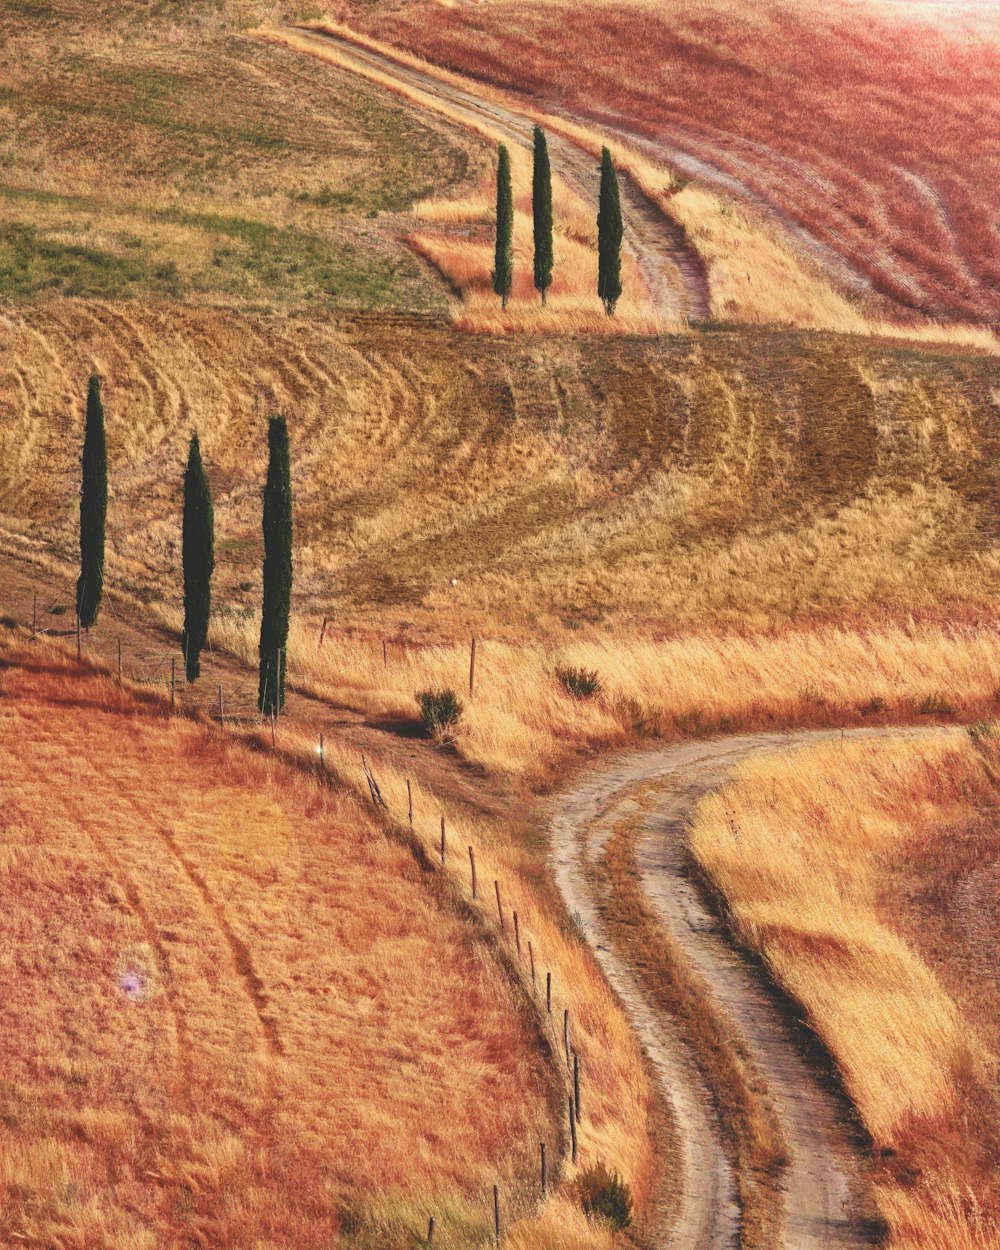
x=824, y=1180
x=672, y=271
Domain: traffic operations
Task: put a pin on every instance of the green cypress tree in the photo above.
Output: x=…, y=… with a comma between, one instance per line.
x=541, y=207
x=93, y=508
x=198, y=558
x=609, y=236
x=277, y=569
x=503, y=268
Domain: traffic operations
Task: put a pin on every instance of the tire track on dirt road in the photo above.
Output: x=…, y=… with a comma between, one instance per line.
x=823, y=1184
x=672, y=270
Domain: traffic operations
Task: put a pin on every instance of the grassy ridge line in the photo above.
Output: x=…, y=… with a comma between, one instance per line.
x=805, y=847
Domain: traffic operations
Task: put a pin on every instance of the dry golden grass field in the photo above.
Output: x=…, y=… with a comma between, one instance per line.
x=240, y=1012
x=865, y=874
x=240, y=1008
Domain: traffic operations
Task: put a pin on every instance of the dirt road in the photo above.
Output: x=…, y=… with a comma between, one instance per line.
x=673, y=272
x=823, y=1182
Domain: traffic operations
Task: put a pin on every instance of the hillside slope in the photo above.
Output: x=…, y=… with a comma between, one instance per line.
x=448, y=479
x=236, y=1013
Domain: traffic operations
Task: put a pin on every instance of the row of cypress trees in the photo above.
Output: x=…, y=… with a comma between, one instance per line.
x=197, y=548
x=610, y=229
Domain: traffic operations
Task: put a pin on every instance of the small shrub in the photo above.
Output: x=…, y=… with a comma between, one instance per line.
x=581, y=683
x=605, y=1196
x=677, y=183
x=639, y=718
x=983, y=731
x=245, y=586
x=58, y=609
x=873, y=707
x=935, y=705
x=440, y=712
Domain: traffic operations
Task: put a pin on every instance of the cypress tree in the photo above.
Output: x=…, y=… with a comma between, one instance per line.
x=198, y=558
x=541, y=207
x=277, y=569
x=609, y=236
x=93, y=508
x=503, y=268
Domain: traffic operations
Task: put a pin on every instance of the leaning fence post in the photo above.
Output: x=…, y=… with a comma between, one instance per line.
x=322, y=632
x=442, y=841
x=572, y=1128
x=503, y=927
x=566, y=1034
x=531, y=960
x=496, y=1211
x=576, y=1084
x=430, y=1231
x=548, y=992
x=517, y=937
x=472, y=861
x=472, y=668
x=545, y=1172
x=409, y=802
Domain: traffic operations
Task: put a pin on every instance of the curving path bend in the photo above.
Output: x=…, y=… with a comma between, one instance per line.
x=823, y=1182
x=673, y=272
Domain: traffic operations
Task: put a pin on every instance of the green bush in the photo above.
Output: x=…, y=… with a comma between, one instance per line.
x=605, y=1196
x=581, y=683
x=440, y=712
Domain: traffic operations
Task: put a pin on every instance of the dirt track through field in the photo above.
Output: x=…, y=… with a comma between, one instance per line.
x=672, y=271
x=824, y=1180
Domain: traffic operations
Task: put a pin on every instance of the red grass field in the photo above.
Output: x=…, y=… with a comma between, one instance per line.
x=867, y=130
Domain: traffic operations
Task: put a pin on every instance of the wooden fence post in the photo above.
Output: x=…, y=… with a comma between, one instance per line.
x=566, y=1034
x=472, y=668
x=274, y=720
x=472, y=861
x=517, y=937
x=430, y=1231
x=322, y=632
x=222, y=715
x=545, y=1172
x=548, y=992
x=572, y=1128
x=503, y=926
x=173, y=681
x=442, y=841
x=409, y=802
x=576, y=1085
x=496, y=1211
x=531, y=960
x=79, y=648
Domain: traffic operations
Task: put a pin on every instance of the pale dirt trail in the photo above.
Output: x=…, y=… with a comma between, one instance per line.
x=824, y=1180
x=672, y=271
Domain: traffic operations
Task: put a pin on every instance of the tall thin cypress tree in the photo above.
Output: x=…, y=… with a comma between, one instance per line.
x=503, y=267
x=277, y=569
x=609, y=236
x=93, y=508
x=198, y=558
x=541, y=207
